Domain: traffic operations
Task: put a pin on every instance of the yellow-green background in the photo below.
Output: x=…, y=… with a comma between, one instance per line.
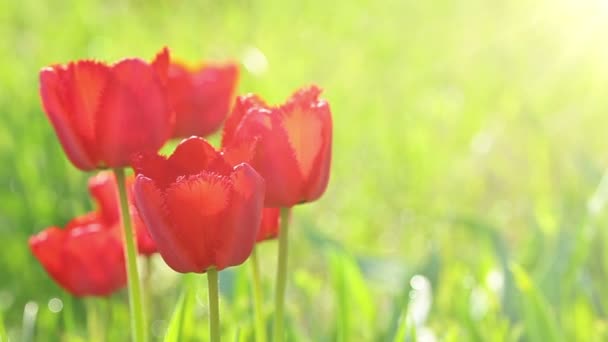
x=470, y=138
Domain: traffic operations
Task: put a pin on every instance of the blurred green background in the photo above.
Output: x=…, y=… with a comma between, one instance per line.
x=466, y=199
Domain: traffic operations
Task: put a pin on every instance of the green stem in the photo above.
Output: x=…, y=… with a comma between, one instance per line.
x=279, y=335
x=260, y=327
x=135, y=302
x=68, y=315
x=146, y=287
x=214, y=311
x=94, y=321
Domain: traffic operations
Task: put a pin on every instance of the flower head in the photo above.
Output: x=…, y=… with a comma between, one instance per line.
x=289, y=145
x=200, y=211
x=104, y=113
x=201, y=97
x=86, y=258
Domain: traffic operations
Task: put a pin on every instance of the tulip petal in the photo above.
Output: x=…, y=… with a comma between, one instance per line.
x=304, y=137
x=145, y=243
x=306, y=96
x=201, y=98
x=274, y=159
x=305, y=120
x=96, y=260
x=160, y=64
x=193, y=155
x=46, y=247
x=88, y=81
x=86, y=258
x=152, y=208
x=243, y=221
x=269, y=227
x=63, y=92
x=133, y=115
x=241, y=107
x=153, y=166
x=103, y=189
x=91, y=218
x=196, y=207
x=317, y=180
x=240, y=151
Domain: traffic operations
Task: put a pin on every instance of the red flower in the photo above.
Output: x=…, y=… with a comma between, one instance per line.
x=86, y=258
x=201, y=97
x=292, y=144
x=200, y=211
x=104, y=113
x=269, y=227
x=104, y=190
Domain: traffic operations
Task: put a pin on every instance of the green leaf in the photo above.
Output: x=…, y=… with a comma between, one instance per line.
x=180, y=325
x=538, y=316
x=353, y=298
x=407, y=328
x=3, y=336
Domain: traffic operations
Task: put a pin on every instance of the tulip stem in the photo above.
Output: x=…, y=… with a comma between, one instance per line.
x=146, y=288
x=260, y=326
x=94, y=323
x=214, y=311
x=135, y=301
x=279, y=335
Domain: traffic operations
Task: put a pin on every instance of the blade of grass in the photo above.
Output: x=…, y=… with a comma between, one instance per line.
x=352, y=296
x=30, y=314
x=586, y=235
x=3, y=336
x=406, y=330
x=179, y=327
x=402, y=301
x=69, y=324
x=538, y=318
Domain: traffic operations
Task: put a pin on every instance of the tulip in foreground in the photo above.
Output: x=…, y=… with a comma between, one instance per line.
x=201, y=97
x=86, y=258
x=203, y=214
x=200, y=211
x=104, y=113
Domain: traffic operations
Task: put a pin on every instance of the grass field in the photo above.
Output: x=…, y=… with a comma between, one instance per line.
x=466, y=200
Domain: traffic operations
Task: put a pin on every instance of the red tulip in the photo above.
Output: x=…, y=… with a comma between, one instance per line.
x=289, y=145
x=269, y=227
x=104, y=190
x=201, y=97
x=103, y=113
x=200, y=211
x=86, y=258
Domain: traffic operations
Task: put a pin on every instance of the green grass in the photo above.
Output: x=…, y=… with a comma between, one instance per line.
x=469, y=138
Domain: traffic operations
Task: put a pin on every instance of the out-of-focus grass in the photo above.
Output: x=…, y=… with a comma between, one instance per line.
x=469, y=136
